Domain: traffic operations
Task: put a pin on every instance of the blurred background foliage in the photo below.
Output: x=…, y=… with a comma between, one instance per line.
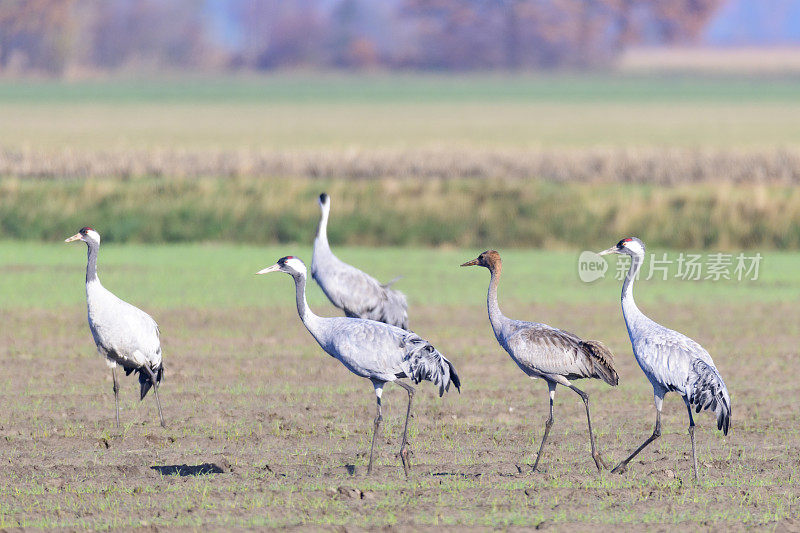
x=528, y=123
x=57, y=36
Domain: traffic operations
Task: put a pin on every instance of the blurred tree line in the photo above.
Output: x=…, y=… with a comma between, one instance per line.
x=84, y=36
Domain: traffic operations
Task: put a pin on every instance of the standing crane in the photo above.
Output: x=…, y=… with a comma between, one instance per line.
x=671, y=361
x=125, y=335
x=355, y=292
x=542, y=351
x=374, y=350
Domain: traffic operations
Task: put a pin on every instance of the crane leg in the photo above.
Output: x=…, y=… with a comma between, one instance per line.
x=154, y=381
x=547, y=425
x=404, y=446
x=378, y=391
x=598, y=460
x=620, y=468
x=115, y=387
x=691, y=436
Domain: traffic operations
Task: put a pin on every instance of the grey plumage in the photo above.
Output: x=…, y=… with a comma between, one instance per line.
x=707, y=391
x=423, y=362
x=545, y=352
x=553, y=354
x=671, y=361
x=355, y=292
x=374, y=350
x=125, y=335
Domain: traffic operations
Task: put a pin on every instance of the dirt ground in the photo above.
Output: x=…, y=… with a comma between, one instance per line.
x=264, y=429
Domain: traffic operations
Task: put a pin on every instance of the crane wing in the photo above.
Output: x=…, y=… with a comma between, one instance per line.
x=666, y=357
x=367, y=348
x=381, y=351
x=545, y=350
x=350, y=289
x=122, y=331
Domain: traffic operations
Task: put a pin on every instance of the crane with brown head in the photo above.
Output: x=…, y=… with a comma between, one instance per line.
x=541, y=351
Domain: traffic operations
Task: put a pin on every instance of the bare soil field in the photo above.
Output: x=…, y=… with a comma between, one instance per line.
x=264, y=429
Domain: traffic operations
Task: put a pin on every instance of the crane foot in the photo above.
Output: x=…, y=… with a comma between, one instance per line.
x=599, y=462
x=404, y=457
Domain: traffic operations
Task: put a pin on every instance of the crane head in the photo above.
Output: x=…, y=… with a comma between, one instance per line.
x=489, y=259
x=628, y=245
x=324, y=200
x=87, y=235
x=289, y=264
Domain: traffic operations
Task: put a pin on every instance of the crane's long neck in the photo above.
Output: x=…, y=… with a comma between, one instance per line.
x=629, y=309
x=91, y=263
x=322, y=229
x=310, y=320
x=495, y=316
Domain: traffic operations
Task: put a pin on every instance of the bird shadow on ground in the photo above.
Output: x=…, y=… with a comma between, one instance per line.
x=188, y=470
x=464, y=475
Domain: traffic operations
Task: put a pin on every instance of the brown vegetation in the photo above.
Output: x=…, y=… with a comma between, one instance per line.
x=656, y=166
x=467, y=212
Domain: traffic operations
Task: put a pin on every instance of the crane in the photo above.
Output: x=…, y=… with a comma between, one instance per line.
x=545, y=352
x=125, y=335
x=374, y=350
x=355, y=292
x=671, y=361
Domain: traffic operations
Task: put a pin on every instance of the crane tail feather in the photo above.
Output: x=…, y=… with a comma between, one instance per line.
x=453, y=376
x=145, y=383
x=707, y=391
x=424, y=362
x=602, y=361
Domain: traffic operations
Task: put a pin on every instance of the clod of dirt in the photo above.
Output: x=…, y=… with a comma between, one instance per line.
x=367, y=495
x=55, y=484
x=530, y=492
x=669, y=473
x=544, y=524
x=223, y=464
x=349, y=492
x=103, y=443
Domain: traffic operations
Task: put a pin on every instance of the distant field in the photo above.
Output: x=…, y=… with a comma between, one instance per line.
x=317, y=112
x=412, y=160
x=264, y=429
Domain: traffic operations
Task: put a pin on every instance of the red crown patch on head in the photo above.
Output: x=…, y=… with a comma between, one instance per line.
x=627, y=240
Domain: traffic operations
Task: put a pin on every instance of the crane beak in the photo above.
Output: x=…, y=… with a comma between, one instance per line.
x=470, y=263
x=612, y=250
x=274, y=268
x=74, y=238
